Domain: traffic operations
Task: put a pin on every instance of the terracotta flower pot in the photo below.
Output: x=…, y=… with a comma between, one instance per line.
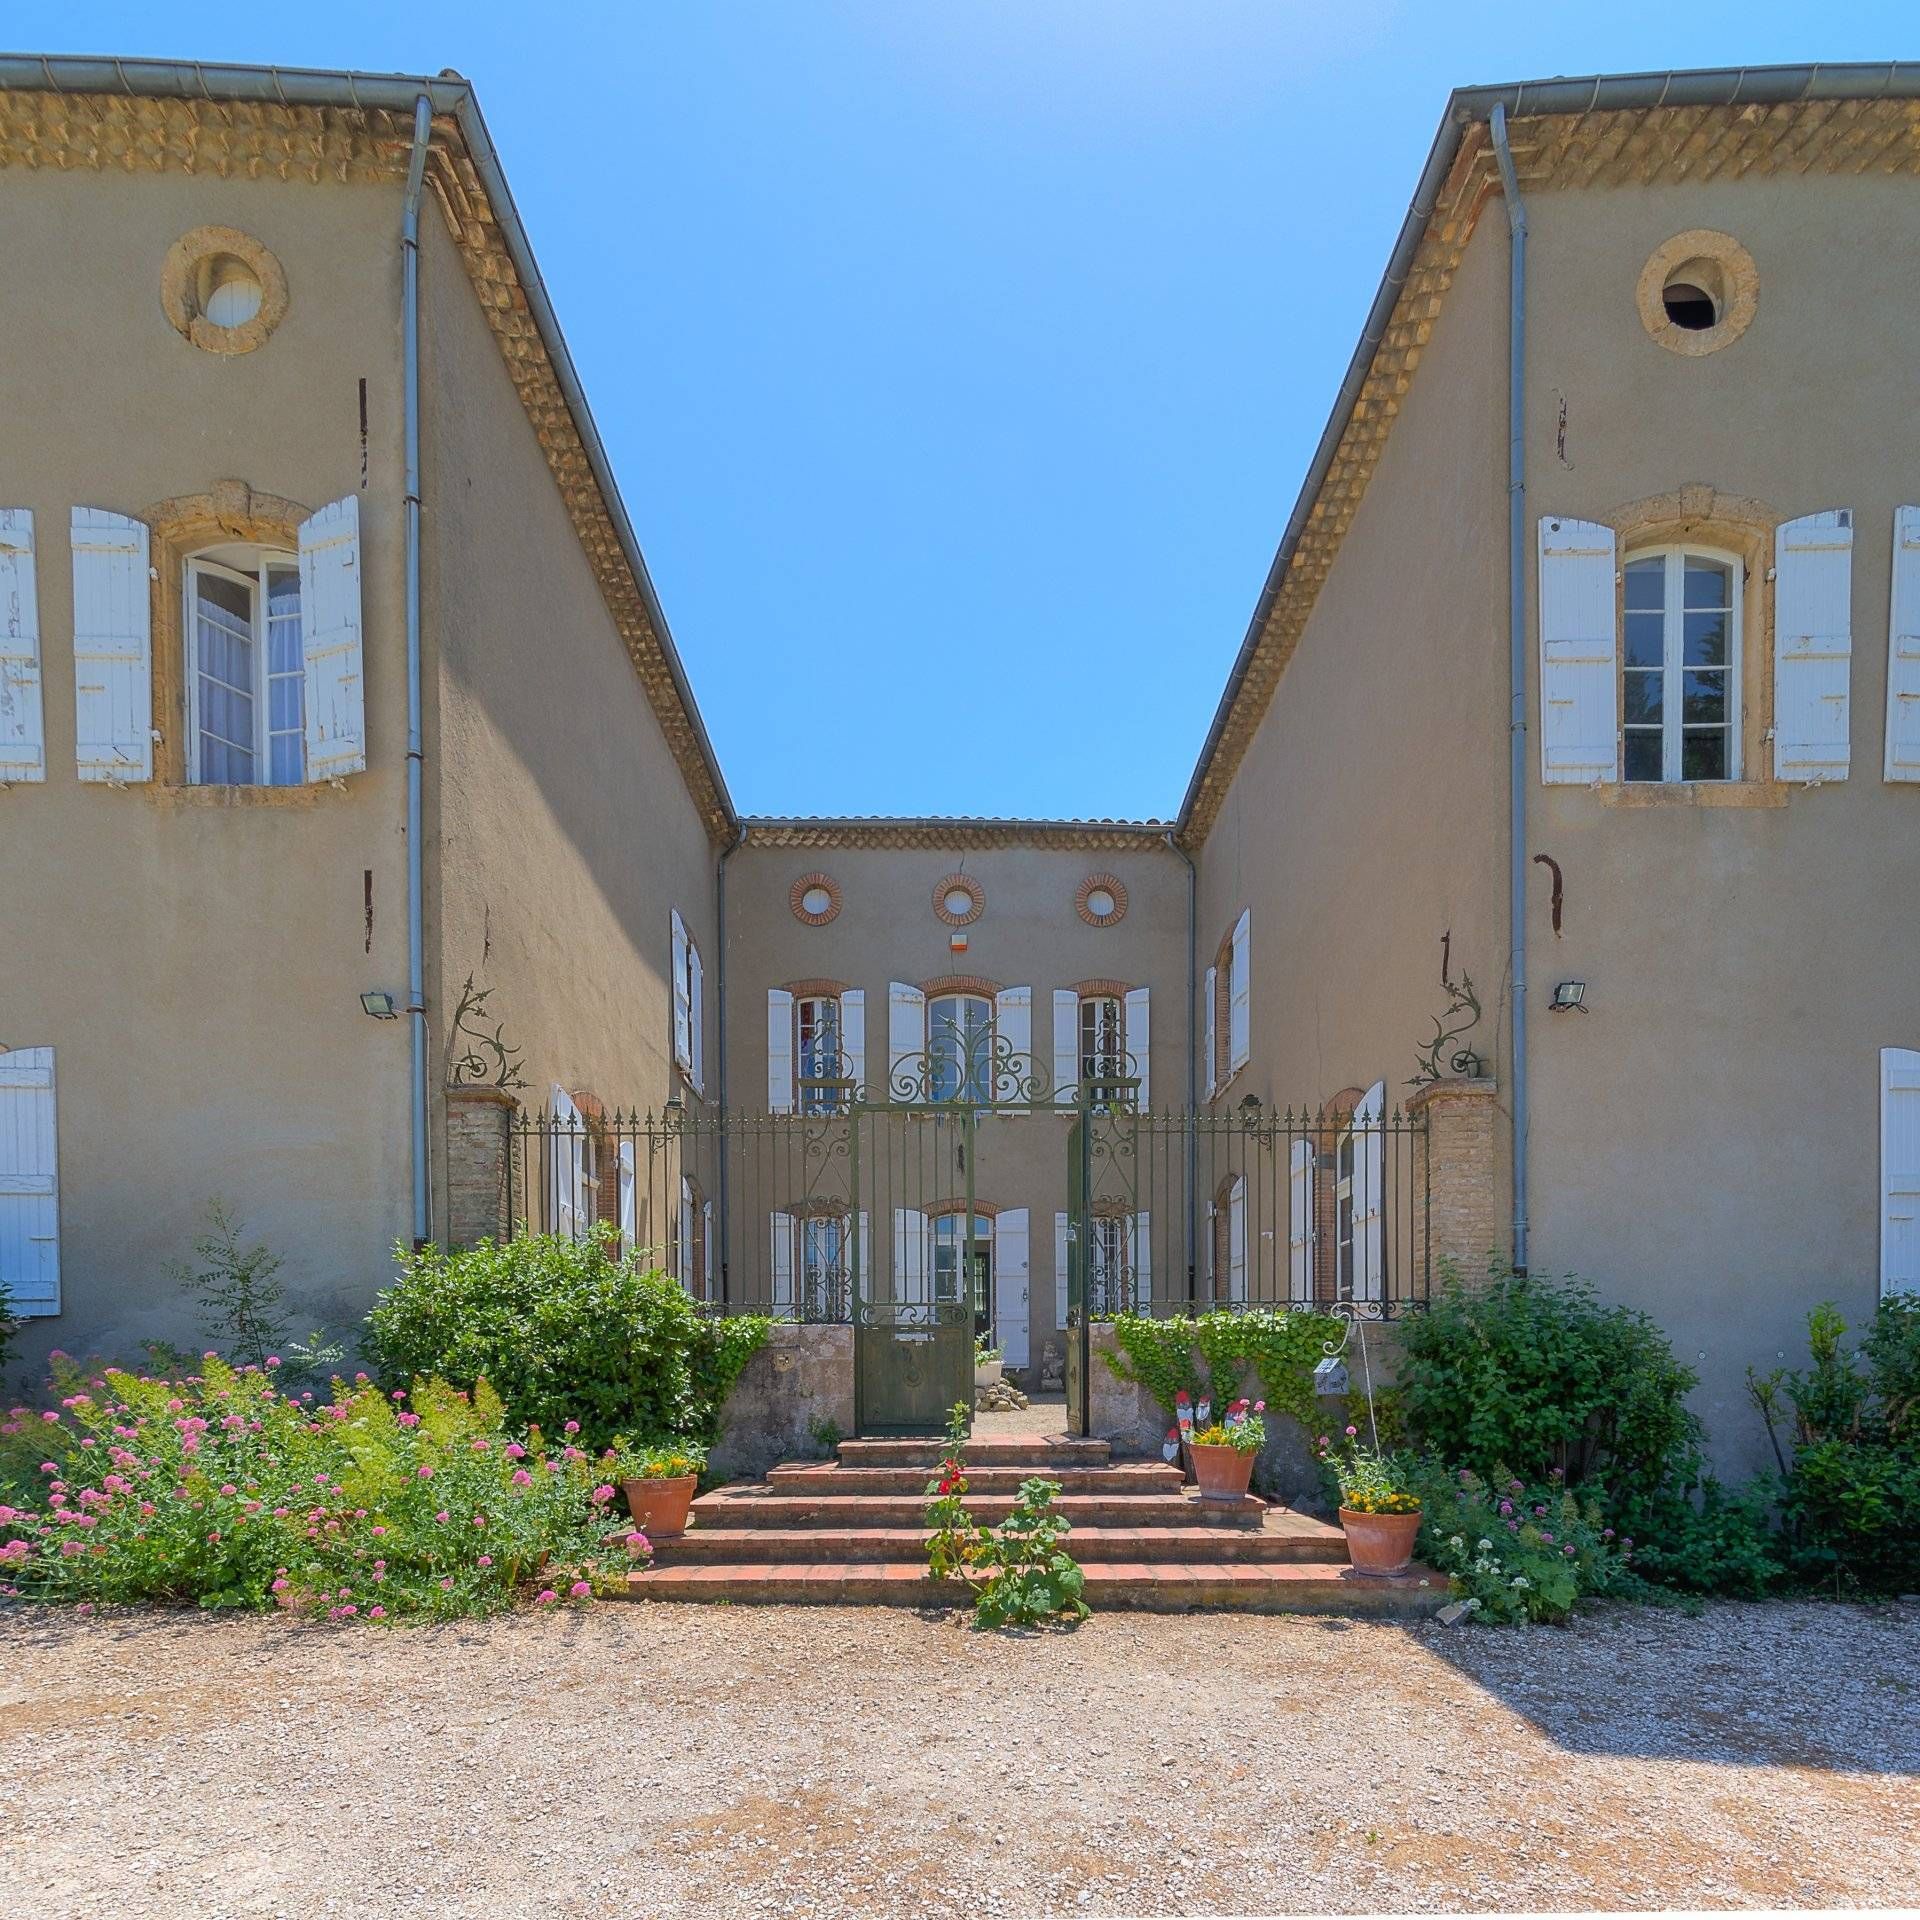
x=1379, y=1542
x=1224, y=1473
x=659, y=1507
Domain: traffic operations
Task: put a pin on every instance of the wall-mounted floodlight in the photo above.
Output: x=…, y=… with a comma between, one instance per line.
x=1569, y=996
x=379, y=1005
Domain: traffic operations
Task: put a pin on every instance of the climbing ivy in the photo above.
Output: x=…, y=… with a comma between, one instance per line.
x=1282, y=1348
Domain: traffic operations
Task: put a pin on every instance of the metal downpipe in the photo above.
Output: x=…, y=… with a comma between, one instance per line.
x=416, y=857
x=727, y=852
x=1517, y=661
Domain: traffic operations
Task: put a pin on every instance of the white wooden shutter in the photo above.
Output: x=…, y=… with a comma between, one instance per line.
x=784, y=1235
x=29, y=1184
x=1237, y=1238
x=629, y=1199
x=1903, y=649
x=1143, y=1262
x=112, y=647
x=779, y=1050
x=1300, y=1222
x=23, y=731
x=1240, y=1007
x=697, y=1018
x=1010, y=1284
x=1210, y=993
x=683, y=1256
x=906, y=1040
x=1579, y=703
x=682, y=1001
x=1812, y=646
x=1899, y=1169
x=1066, y=1046
x=1138, y=1043
x=330, y=641
x=853, y=1038
x=1062, y=1253
x=1013, y=1033
x=567, y=1144
x=1369, y=1200
x=910, y=1284
x=709, y=1252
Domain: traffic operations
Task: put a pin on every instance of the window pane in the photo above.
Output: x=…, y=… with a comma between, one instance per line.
x=1703, y=754
x=1646, y=639
x=1706, y=639
x=1708, y=583
x=224, y=679
x=1704, y=698
x=1645, y=694
x=1646, y=584
x=1643, y=753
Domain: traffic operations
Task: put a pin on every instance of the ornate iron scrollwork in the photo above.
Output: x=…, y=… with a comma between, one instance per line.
x=477, y=1057
x=1449, y=1026
x=977, y=1071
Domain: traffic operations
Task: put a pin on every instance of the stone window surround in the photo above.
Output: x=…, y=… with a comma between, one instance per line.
x=797, y=893
x=1093, y=883
x=179, y=299
x=965, y=883
x=1740, y=286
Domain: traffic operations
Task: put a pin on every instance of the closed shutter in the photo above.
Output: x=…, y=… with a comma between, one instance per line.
x=1903, y=650
x=1210, y=993
x=1062, y=1254
x=783, y=1251
x=697, y=1018
x=1012, y=1036
x=910, y=1286
x=1240, y=1007
x=1579, y=705
x=682, y=1002
x=1143, y=1263
x=1139, y=1044
x=1899, y=1169
x=1369, y=1199
x=330, y=641
x=629, y=1200
x=906, y=1042
x=1066, y=1045
x=779, y=1050
x=23, y=732
x=1010, y=1285
x=1237, y=1238
x=112, y=647
x=1300, y=1222
x=29, y=1184
x=853, y=1038
x=1812, y=646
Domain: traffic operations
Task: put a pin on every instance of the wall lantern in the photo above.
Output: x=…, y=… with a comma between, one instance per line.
x=380, y=1005
x=1569, y=996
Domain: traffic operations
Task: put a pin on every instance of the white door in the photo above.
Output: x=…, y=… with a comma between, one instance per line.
x=1010, y=1285
x=29, y=1182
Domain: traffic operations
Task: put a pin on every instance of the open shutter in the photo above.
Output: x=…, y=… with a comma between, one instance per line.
x=568, y=1133
x=853, y=1038
x=1903, y=650
x=1300, y=1222
x=1237, y=1238
x=1143, y=1263
x=910, y=1258
x=697, y=1018
x=683, y=1262
x=863, y=1255
x=112, y=647
x=1010, y=1285
x=1240, y=1008
x=1369, y=1199
x=29, y=1183
x=1138, y=1044
x=906, y=1041
x=682, y=1000
x=1812, y=646
x=779, y=1050
x=1899, y=1169
x=1579, y=707
x=1066, y=1046
x=629, y=1200
x=1210, y=994
x=1013, y=1034
x=23, y=731
x=709, y=1251
x=330, y=641
x=783, y=1249
x=1062, y=1252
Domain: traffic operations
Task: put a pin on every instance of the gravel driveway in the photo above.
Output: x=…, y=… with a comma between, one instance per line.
x=639, y=1759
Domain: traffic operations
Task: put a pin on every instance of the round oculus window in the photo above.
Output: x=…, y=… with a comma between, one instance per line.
x=1698, y=292
x=1100, y=903
x=816, y=901
x=222, y=290
x=958, y=900
x=1100, y=899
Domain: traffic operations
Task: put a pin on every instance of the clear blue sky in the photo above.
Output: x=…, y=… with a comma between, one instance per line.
x=960, y=359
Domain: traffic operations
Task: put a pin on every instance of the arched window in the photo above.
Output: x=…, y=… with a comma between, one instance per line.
x=960, y=1047
x=246, y=668
x=1680, y=665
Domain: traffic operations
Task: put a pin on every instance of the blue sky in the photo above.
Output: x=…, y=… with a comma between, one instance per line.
x=960, y=359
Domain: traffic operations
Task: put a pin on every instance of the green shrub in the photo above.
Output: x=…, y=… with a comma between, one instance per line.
x=562, y=1330
x=1708, y=1539
x=1282, y=1348
x=1030, y=1579
x=1536, y=1375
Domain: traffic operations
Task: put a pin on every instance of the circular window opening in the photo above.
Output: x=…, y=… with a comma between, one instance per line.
x=1697, y=292
x=816, y=900
x=1694, y=296
x=229, y=290
x=958, y=900
x=1101, y=903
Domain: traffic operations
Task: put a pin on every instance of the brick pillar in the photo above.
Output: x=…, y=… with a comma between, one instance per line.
x=478, y=1119
x=1456, y=1161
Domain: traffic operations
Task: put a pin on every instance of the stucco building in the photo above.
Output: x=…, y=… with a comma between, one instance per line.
x=1578, y=721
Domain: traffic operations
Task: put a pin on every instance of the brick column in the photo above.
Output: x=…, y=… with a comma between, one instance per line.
x=478, y=1119
x=1456, y=1160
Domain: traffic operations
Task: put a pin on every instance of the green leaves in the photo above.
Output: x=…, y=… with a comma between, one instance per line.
x=1281, y=1348
x=1031, y=1578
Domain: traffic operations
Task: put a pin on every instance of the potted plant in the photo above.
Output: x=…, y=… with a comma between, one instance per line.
x=1224, y=1453
x=659, y=1483
x=1379, y=1511
x=987, y=1363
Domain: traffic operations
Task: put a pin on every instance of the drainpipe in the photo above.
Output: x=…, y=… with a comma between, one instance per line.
x=727, y=852
x=1193, y=1065
x=1517, y=662
x=416, y=859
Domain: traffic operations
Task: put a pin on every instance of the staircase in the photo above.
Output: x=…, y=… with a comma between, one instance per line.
x=848, y=1531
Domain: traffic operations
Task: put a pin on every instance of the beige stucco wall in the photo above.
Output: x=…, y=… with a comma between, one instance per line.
x=1029, y=935
x=1706, y=1136
x=565, y=834
x=196, y=966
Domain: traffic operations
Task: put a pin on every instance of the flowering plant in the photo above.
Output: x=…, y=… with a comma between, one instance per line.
x=953, y=1536
x=671, y=1460
x=1243, y=1429
x=1369, y=1481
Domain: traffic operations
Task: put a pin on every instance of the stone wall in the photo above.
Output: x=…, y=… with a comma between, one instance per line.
x=1462, y=1166
x=801, y=1377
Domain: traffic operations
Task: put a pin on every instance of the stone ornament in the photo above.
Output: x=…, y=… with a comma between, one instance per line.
x=221, y=289
x=1101, y=900
x=815, y=899
x=1703, y=262
x=959, y=900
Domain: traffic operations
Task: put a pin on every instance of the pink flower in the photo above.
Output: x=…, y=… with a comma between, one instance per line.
x=1353, y=1433
x=636, y=1543
x=522, y=1478
x=1259, y=1406
x=580, y=1590
x=572, y=1426
x=515, y=1451
x=376, y=1613
x=446, y=1583
x=426, y=1473
x=399, y=1393
x=545, y=1597
x=228, y=1491
x=440, y=1518
x=603, y=1493
x=280, y=1586
x=485, y=1560
x=273, y=1360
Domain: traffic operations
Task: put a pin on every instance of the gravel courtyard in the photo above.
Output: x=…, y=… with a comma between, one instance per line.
x=639, y=1759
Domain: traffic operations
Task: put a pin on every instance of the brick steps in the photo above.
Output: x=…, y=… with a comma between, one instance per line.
x=1044, y=1453
x=1134, y=1476
x=765, y=1506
